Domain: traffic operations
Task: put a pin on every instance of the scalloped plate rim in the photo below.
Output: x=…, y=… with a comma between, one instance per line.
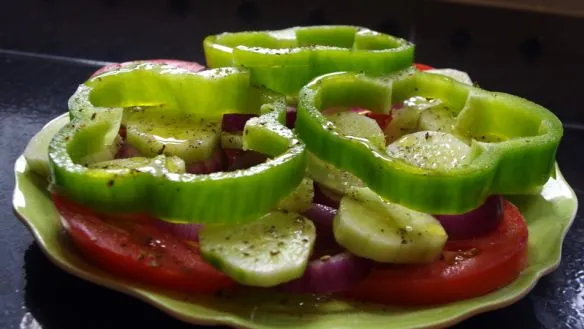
x=142, y=293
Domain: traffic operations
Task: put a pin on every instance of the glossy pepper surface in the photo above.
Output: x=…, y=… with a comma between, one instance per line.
x=285, y=60
x=513, y=141
x=159, y=185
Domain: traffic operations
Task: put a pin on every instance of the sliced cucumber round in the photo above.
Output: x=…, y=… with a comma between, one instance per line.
x=359, y=126
x=269, y=251
x=347, y=124
x=155, y=132
x=405, y=120
x=36, y=152
x=438, y=118
x=324, y=173
x=431, y=150
x=301, y=199
x=372, y=228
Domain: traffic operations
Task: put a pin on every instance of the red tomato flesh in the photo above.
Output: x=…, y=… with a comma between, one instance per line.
x=422, y=67
x=133, y=248
x=382, y=119
x=467, y=269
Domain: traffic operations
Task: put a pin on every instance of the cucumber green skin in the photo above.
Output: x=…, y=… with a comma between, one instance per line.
x=285, y=60
x=301, y=199
x=223, y=197
x=269, y=251
x=521, y=162
x=209, y=93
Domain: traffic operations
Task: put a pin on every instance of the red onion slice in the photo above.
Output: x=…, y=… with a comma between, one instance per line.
x=326, y=197
x=291, y=117
x=332, y=269
x=235, y=121
x=246, y=159
x=213, y=164
x=183, y=231
x=474, y=223
x=127, y=151
x=330, y=274
x=321, y=215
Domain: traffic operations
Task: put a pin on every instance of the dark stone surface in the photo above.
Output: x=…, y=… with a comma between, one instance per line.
x=532, y=55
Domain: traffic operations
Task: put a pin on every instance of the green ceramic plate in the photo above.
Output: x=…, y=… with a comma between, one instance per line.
x=549, y=216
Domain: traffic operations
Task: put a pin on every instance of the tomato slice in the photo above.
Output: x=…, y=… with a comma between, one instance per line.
x=192, y=66
x=133, y=248
x=422, y=67
x=467, y=269
x=382, y=119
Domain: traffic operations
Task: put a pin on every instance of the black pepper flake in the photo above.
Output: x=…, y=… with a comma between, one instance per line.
x=246, y=254
x=427, y=136
x=274, y=252
x=162, y=149
x=402, y=232
x=110, y=183
x=93, y=116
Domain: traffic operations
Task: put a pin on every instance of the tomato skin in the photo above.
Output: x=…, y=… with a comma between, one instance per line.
x=468, y=268
x=192, y=66
x=137, y=250
x=422, y=67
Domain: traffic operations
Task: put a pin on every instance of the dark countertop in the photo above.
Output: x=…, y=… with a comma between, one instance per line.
x=532, y=55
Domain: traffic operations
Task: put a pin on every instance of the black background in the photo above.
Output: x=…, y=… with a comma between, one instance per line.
x=530, y=54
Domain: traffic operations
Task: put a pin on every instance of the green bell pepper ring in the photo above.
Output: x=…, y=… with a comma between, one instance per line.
x=523, y=159
x=209, y=93
x=285, y=60
x=159, y=186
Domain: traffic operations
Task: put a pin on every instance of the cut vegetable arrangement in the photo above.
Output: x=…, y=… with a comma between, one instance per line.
x=309, y=160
